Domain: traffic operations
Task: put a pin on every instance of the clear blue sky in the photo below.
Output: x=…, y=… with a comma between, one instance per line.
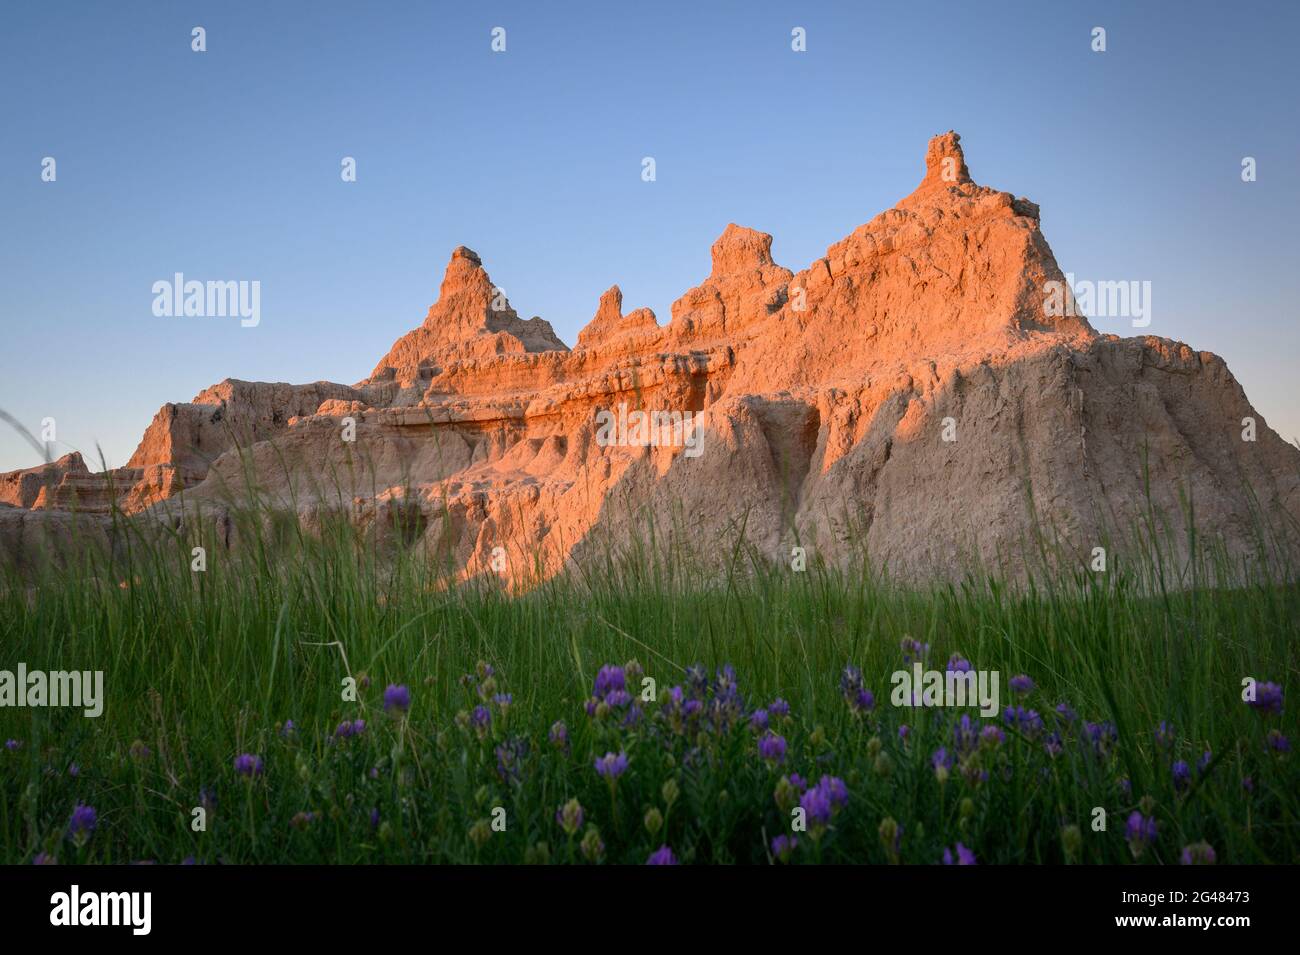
x=225, y=165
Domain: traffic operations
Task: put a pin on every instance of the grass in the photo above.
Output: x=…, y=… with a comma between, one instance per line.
x=201, y=667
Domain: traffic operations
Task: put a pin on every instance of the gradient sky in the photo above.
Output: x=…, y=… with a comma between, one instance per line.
x=225, y=165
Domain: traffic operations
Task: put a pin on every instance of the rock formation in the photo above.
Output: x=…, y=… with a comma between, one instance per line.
x=907, y=395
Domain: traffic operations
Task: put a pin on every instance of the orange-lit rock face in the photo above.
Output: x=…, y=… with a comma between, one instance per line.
x=907, y=393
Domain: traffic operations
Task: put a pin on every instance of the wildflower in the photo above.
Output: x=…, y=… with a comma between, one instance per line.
x=991, y=737
x=1052, y=744
x=1021, y=683
x=374, y=818
x=503, y=701
x=771, y=748
x=1204, y=761
x=570, y=816
x=788, y=789
x=247, y=764
x=559, y=735
x=1276, y=741
x=592, y=846
x=208, y=799
x=288, y=729
x=1027, y=722
x=941, y=759
x=1165, y=735
x=1064, y=711
x=510, y=756
x=779, y=709
x=1140, y=832
x=965, y=734
x=1268, y=698
x=1198, y=853
x=13, y=745
x=82, y=823
x=783, y=847
x=349, y=728
x=958, y=664
x=850, y=680
x=397, y=697
x=662, y=856
x=964, y=856
x=914, y=648
x=697, y=680
x=1101, y=735
x=611, y=766
x=44, y=858
x=758, y=720
x=609, y=680
x=139, y=751
x=904, y=731
x=301, y=820
x=822, y=802
x=481, y=720
x=1182, y=774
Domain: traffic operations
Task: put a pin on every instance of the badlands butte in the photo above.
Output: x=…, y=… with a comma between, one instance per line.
x=821, y=401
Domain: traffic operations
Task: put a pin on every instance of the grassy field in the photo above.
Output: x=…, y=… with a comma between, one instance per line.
x=225, y=692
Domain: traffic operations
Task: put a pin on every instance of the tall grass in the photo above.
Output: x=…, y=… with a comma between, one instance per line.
x=203, y=666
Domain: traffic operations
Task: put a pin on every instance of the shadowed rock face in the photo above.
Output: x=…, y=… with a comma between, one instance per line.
x=907, y=393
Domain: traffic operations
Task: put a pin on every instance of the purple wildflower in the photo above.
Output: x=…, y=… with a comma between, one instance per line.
x=397, y=697
x=964, y=856
x=779, y=709
x=1165, y=735
x=1182, y=774
x=758, y=720
x=510, y=757
x=958, y=664
x=1268, y=698
x=914, y=648
x=1140, y=832
x=247, y=764
x=821, y=802
x=783, y=847
x=609, y=679
x=1021, y=683
x=1066, y=712
x=662, y=856
x=1277, y=742
x=82, y=823
x=611, y=766
x=570, y=816
x=559, y=735
x=772, y=748
x=1198, y=853
x=481, y=719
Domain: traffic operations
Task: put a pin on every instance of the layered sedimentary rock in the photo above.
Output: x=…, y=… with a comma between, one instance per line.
x=908, y=395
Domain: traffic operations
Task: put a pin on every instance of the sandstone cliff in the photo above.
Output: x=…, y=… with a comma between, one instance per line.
x=906, y=395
